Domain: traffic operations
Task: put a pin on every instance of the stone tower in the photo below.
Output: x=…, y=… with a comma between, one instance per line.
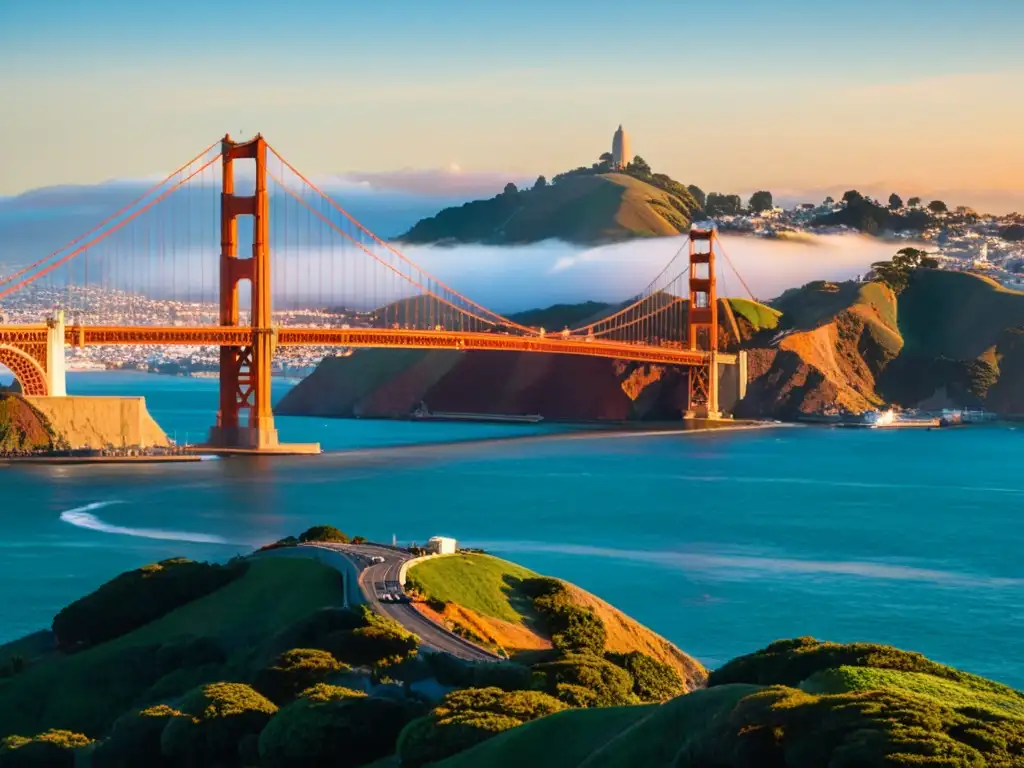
x=620, y=149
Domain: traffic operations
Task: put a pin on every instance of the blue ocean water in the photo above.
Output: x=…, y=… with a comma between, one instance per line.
x=720, y=542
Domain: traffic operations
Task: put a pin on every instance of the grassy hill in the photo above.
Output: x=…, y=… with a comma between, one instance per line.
x=589, y=209
x=98, y=684
x=491, y=598
x=798, y=704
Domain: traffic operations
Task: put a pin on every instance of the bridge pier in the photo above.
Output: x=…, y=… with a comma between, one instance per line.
x=56, y=366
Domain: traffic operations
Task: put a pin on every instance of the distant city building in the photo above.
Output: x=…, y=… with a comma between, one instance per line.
x=620, y=149
x=441, y=545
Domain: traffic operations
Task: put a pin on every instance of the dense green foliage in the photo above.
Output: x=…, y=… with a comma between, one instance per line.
x=571, y=627
x=87, y=691
x=761, y=201
x=379, y=640
x=467, y=717
x=653, y=680
x=805, y=704
x=294, y=671
x=586, y=680
x=51, y=749
x=719, y=204
x=216, y=720
x=324, y=533
x=868, y=216
x=136, y=598
x=896, y=273
x=331, y=727
x=790, y=662
x=135, y=739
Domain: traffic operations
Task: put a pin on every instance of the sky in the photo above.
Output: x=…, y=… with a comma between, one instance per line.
x=797, y=97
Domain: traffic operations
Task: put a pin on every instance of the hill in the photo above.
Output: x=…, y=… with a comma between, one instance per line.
x=587, y=208
x=949, y=339
x=24, y=428
x=491, y=600
x=392, y=383
x=796, y=704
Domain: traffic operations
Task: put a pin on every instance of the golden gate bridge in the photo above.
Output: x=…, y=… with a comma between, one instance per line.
x=308, y=248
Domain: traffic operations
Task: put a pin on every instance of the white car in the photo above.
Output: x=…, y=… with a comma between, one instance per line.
x=376, y=559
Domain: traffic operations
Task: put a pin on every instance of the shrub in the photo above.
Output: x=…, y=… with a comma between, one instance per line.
x=380, y=639
x=610, y=685
x=790, y=662
x=138, y=597
x=572, y=628
x=653, y=680
x=52, y=749
x=216, y=717
x=324, y=533
x=332, y=727
x=466, y=718
x=135, y=740
x=294, y=671
x=13, y=666
x=879, y=728
x=436, y=604
x=358, y=539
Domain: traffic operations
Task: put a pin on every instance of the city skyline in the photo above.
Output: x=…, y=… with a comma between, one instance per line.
x=795, y=98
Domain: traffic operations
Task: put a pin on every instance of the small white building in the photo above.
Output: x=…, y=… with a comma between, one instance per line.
x=441, y=545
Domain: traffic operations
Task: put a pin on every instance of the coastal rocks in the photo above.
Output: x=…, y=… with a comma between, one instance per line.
x=24, y=427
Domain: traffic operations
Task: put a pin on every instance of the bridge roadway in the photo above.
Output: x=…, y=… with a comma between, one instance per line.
x=92, y=335
x=377, y=578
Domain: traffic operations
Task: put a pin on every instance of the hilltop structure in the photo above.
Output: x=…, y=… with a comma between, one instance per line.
x=620, y=149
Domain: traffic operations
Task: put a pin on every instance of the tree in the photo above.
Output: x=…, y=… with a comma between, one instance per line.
x=852, y=197
x=218, y=717
x=606, y=157
x=295, y=671
x=914, y=202
x=895, y=202
x=896, y=273
x=324, y=533
x=937, y=206
x=723, y=205
x=698, y=195
x=467, y=717
x=761, y=201
x=540, y=183
x=828, y=201
x=653, y=680
x=639, y=166
x=511, y=189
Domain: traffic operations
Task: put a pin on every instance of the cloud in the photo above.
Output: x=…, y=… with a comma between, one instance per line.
x=440, y=181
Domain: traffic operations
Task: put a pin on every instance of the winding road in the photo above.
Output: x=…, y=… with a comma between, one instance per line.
x=376, y=579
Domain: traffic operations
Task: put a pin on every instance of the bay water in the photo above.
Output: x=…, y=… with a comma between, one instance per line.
x=721, y=542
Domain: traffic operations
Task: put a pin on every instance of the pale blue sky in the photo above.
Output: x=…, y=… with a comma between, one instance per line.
x=731, y=95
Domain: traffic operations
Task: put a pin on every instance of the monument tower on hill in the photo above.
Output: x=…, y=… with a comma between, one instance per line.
x=620, y=149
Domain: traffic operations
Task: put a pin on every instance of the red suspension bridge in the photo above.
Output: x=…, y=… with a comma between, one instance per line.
x=153, y=274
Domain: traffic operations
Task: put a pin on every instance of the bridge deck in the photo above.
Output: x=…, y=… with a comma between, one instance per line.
x=360, y=338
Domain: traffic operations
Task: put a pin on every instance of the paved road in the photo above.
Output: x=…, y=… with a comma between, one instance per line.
x=376, y=579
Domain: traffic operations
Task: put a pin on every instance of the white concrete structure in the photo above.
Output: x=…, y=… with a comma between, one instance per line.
x=620, y=149
x=56, y=378
x=441, y=545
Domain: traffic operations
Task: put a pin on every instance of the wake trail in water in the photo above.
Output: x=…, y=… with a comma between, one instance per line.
x=82, y=517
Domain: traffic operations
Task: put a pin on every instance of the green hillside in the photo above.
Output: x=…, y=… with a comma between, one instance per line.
x=586, y=208
x=98, y=684
x=796, y=704
x=956, y=314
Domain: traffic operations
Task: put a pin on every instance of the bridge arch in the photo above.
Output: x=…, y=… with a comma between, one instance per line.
x=26, y=369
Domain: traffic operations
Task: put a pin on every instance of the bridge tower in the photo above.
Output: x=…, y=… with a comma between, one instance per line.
x=702, y=326
x=245, y=371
